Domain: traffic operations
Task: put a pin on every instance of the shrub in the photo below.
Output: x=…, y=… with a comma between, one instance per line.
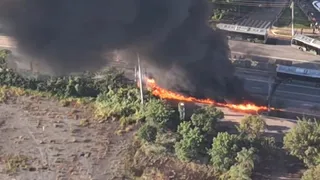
x=253, y=126
x=224, y=151
x=206, y=119
x=312, y=173
x=121, y=103
x=147, y=133
x=244, y=166
x=190, y=146
x=303, y=141
x=157, y=111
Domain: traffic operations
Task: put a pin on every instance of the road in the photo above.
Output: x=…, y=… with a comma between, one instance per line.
x=295, y=94
x=237, y=48
x=263, y=17
x=284, y=52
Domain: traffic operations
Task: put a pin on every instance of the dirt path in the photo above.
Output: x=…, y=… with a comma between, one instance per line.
x=57, y=143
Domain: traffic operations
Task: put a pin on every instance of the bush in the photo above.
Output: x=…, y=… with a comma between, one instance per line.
x=123, y=104
x=84, y=85
x=244, y=166
x=252, y=126
x=157, y=111
x=190, y=146
x=147, y=133
x=206, y=118
x=311, y=174
x=303, y=141
x=224, y=151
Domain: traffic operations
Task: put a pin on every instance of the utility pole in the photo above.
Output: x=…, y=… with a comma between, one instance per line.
x=140, y=79
x=270, y=84
x=292, y=18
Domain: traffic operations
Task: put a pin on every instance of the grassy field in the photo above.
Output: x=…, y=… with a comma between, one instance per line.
x=300, y=19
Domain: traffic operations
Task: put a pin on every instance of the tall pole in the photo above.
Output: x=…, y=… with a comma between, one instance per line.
x=270, y=83
x=140, y=78
x=292, y=18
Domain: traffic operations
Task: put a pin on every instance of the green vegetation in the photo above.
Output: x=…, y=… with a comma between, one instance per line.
x=303, y=141
x=226, y=10
x=300, y=19
x=196, y=146
x=312, y=173
x=252, y=126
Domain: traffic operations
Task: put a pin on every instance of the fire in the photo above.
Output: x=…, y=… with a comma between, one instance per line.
x=166, y=94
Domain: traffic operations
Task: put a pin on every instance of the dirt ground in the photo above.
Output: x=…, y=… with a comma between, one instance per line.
x=42, y=140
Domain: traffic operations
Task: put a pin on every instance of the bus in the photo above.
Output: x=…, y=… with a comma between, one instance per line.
x=296, y=73
x=244, y=33
x=306, y=44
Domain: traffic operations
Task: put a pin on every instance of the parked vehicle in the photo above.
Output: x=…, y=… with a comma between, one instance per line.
x=316, y=5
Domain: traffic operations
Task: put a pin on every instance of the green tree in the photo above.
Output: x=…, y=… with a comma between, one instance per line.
x=253, y=126
x=206, y=119
x=303, y=141
x=244, y=166
x=157, y=111
x=312, y=173
x=190, y=146
x=147, y=133
x=224, y=151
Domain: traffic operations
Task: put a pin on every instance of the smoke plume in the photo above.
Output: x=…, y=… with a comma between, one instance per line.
x=172, y=37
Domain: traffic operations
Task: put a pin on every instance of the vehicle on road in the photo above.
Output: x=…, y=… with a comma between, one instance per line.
x=244, y=33
x=289, y=73
x=316, y=5
x=306, y=44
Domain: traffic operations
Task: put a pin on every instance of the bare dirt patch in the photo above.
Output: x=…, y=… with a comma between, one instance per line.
x=42, y=140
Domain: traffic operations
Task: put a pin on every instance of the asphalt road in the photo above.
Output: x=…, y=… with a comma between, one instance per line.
x=237, y=48
x=270, y=51
x=295, y=94
x=263, y=17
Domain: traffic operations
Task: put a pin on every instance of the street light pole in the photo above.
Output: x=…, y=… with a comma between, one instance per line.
x=292, y=18
x=140, y=79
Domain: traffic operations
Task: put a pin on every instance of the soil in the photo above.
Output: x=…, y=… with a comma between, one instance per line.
x=58, y=143
x=43, y=140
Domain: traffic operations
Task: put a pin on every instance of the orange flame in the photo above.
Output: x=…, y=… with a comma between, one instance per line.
x=167, y=94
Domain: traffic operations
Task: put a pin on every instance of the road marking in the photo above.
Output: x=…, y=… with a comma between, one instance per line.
x=274, y=57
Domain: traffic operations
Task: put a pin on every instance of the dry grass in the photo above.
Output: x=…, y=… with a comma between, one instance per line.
x=15, y=163
x=148, y=161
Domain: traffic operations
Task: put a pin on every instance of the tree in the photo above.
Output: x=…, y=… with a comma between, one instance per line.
x=303, y=141
x=190, y=146
x=244, y=166
x=147, y=133
x=205, y=118
x=311, y=174
x=224, y=151
x=253, y=126
x=157, y=111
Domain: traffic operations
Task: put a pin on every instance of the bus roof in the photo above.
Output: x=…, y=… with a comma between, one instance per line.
x=298, y=71
x=307, y=40
x=242, y=29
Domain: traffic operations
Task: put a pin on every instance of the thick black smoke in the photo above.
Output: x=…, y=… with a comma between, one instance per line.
x=172, y=37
